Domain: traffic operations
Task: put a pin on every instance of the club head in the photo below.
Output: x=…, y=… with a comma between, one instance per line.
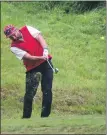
x=56, y=70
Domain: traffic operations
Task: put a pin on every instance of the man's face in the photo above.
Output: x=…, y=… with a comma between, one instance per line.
x=16, y=35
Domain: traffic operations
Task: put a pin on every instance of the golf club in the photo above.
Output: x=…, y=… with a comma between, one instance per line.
x=55, y=70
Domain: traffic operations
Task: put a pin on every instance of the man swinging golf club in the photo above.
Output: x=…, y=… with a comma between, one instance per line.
x=29, y=46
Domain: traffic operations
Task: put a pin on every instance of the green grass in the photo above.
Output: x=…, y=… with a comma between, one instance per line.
x=90, y=124
x=77, y=44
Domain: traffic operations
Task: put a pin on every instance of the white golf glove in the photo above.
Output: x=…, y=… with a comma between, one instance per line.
x=45, y=52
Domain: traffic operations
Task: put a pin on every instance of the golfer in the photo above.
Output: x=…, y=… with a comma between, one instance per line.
x=29, y=46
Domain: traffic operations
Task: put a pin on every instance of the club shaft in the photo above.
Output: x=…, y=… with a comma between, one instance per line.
x=50, y=65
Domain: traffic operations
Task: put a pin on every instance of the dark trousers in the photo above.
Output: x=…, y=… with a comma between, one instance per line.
x=32, y=83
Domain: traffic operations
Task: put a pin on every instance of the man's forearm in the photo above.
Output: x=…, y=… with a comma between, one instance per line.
x=33, y=58
x=29, y=57
x=42, y=41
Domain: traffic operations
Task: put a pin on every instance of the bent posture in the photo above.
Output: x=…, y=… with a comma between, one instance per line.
x=29, y=46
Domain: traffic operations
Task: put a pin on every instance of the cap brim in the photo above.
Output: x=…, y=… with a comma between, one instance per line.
x=11, y=33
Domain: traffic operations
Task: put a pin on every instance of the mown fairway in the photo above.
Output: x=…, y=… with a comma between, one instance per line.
x=90, y=124
x=77, y=44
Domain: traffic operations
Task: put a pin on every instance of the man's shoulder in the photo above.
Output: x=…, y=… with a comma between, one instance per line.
x=26, y=26
x=29, y=28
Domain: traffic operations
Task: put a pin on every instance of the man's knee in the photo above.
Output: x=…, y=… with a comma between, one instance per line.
x=29, y=96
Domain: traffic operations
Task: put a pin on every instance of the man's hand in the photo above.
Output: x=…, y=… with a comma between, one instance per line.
x=45, y=52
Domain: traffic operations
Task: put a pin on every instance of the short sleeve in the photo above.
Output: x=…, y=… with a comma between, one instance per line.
x=33, y=31
x=18, y=52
